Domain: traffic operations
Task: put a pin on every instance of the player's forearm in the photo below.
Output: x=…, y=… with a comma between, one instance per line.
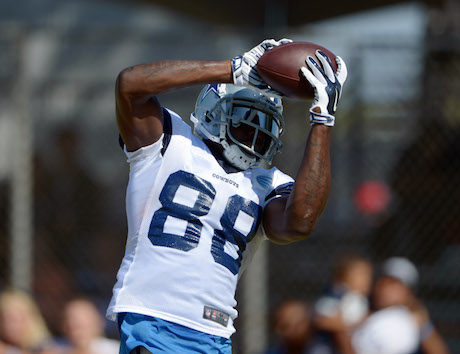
x=157, y=77
x=311, y=189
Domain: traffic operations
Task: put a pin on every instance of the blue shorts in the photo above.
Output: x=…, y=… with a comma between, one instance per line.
x=160, y=336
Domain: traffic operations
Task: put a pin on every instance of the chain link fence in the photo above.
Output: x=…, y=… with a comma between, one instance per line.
x=395, y=163
x=395, y=166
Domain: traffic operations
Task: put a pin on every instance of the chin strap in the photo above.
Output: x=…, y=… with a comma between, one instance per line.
x=234, y=156
x=232, y=153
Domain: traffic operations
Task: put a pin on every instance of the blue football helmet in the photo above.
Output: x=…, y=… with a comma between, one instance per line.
x=247, y=124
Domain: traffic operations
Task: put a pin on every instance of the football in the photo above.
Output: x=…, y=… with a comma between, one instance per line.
x=280, y=68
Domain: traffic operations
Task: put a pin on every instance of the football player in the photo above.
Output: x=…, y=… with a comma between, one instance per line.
x=199, y=204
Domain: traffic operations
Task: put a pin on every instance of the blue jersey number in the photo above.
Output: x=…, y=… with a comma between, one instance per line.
x=172, y=209
x=237, y=206
x=184, y=199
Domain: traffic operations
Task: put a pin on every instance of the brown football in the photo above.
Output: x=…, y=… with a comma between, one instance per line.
x=280, y=68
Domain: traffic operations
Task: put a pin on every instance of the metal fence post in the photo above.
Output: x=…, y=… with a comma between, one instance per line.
x=21, y=180
x=255, y=303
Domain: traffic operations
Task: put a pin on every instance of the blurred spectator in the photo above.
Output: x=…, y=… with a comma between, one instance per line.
x=83, y=331
x=53, y=285
x=343, y=306
x=292, y=328
x=22, y=328
x=69, y=219
x=400, y=322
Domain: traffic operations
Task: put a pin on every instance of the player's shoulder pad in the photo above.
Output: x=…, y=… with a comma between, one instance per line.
x=274, y=182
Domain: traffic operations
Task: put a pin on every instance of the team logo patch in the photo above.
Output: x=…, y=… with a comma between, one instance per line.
x=264, y=181
x=215, y=315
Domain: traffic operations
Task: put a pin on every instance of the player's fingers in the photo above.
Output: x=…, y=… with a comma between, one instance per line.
x=342, y=71
x=255, y=53
x=250, y=59
x=284, y=41
x=253, y=76
x=269, y=44
x=316, y=69
x=256, y=81
x=327, y=65
x=310, y=77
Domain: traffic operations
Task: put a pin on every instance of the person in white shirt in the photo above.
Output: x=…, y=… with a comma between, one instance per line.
x=83, y=331
x=400, y=323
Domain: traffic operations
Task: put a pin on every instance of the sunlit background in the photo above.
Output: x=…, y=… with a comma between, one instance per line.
x=395, y=151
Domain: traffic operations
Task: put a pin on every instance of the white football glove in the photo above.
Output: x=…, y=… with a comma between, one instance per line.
x=327, y=86
x=244, y=67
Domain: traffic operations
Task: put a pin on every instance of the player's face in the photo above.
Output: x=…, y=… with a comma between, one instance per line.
x=248, y=134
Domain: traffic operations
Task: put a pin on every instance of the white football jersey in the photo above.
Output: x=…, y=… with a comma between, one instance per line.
x=190, y=225
x=392, y=330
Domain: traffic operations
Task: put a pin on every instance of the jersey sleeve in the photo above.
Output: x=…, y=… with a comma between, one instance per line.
x=275, y=184
x=282, y=185
x=158, y=147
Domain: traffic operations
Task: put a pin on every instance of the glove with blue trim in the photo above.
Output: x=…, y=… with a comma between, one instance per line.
x=327, y=85
x=244, y=67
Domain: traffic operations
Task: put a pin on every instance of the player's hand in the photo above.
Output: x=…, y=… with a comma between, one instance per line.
x=327, y=85
x=244, y=67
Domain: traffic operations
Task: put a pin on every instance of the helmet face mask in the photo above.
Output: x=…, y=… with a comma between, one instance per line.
x=247, y=124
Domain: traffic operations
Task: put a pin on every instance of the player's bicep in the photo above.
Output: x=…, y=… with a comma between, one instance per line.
x=140, y=120
x=274, y=221
x=278, y=217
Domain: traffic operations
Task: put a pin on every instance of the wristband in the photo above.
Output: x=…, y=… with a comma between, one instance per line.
x=237, y=70
x=319, y=118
